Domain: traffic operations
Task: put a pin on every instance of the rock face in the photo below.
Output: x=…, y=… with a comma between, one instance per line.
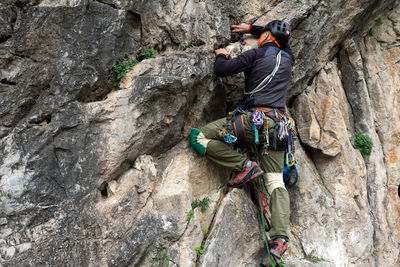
x=92, y=175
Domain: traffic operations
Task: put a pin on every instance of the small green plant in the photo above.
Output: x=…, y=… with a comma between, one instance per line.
x=148, y=53
x=190, y=46
x=363, y=143
x=379, y=21
x=122, y=68
x=190, y=215
x=204, y=204
x=158, y=256
x=371, y=32
x=311, y=257
x=281, y=263
x=205, y=232
x=298, y=1
x=200, y=249
x=366, y=81
x=263, y=9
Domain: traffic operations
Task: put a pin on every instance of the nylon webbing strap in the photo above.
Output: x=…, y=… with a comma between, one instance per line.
x=267, y=79
x=240, y=133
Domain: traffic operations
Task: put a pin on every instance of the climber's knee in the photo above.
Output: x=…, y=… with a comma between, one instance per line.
x=199, y=141
x=274, y=180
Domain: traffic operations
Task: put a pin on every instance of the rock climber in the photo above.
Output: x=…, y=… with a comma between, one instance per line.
x=267, y=71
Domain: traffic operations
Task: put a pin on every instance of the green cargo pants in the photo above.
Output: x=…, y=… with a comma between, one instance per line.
x=207, y=141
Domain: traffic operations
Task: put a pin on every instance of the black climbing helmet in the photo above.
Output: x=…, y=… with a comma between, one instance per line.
x=280, y=30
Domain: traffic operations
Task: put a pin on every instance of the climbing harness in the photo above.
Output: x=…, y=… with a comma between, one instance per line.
x=240, y=130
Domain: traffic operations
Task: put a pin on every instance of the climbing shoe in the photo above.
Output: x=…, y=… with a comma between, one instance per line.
x=247, y=175
x=277, y=247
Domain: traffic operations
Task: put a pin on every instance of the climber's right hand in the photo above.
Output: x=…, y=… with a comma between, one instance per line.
x=242, y=28
x=223, y=51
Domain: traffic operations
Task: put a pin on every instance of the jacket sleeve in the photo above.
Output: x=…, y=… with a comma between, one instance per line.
x=225, y=67
x=256, y=30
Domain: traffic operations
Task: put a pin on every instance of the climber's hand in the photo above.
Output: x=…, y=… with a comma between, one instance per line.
x=242, y=28
x=227, y=53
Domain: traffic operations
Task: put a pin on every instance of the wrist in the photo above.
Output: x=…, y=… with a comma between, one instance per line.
x=221, y=55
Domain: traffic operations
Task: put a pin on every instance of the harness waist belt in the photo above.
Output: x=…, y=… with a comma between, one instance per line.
x=240, y=131
x=266, y=109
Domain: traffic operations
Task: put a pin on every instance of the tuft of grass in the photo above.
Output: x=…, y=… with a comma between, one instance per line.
x=203, y=204
x=205, y=232
x=363, y=143
x=298, y=1
x=157, y=256
x=312, y=257
x=379, y=21
x=189, y=46
x=371, y=32
x=263, y=9
x=122, y=68
x=149, y=53
x=366, y=81
x=199, y=250
x=190, y=215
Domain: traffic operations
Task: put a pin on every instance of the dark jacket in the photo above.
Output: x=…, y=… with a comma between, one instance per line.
x=256, y=67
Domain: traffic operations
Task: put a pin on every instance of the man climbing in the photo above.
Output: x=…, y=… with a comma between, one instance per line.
x=259, y=124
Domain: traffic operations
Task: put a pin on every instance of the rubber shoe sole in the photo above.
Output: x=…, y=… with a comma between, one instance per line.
x=247, y=175
x=277, y=248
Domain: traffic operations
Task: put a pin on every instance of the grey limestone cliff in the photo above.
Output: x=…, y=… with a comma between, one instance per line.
x=93, y=175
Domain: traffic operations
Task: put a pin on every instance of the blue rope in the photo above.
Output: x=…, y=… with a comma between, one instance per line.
x=287, y=174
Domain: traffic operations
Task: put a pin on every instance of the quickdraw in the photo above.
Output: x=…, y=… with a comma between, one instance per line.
x=260, y=122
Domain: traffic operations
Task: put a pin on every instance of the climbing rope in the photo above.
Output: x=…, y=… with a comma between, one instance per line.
x=263, y=205
x=287, y=174
x=260, y=202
